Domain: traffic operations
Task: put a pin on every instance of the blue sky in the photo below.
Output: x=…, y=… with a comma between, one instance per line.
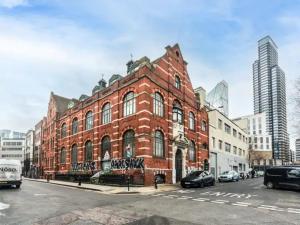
x=65, y=46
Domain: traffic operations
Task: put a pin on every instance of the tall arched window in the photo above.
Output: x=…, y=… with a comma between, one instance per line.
x=128, y=143
x=63, y=130
x=192, y=151
x=75, y=126
x=203, y=125
x=129, y=104
x=74, y=154
x=191, y=121
x=177, y=113
x=88, y=151
x=105, y=146
x=89, y=120
x=159, y=146
x=63, y=156
x=177, y=82
x=158, y=104
x=106, y=113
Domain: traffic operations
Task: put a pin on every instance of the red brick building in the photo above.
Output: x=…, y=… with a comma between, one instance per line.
x=149, y=121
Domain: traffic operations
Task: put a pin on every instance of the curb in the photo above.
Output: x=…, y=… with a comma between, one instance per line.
x=66, y=185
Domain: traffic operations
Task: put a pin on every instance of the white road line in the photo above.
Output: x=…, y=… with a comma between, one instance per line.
x=4, y=206
x=167, y=196
x=244, y=203
x=238, y=204
x=219, y=201
x=292, y=211
x=186, y=196
x=200, y=199
x=175, y=196
x=269, y=206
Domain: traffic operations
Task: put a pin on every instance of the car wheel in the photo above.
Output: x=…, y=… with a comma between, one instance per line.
x=183, y=186
x=270, y=185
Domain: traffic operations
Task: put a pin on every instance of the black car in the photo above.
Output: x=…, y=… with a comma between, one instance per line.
x=198, y=179
x=282, y=177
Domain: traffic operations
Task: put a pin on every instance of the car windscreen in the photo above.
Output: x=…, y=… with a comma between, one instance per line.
x=195, y=173
x=226, y=172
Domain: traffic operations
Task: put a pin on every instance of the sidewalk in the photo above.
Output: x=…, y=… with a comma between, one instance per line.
x=105, y=189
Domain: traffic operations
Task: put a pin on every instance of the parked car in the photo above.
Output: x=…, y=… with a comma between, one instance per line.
x=229, y=176
x=198, y=178
x=260, y=173
x=243, y=175
x=282, y=177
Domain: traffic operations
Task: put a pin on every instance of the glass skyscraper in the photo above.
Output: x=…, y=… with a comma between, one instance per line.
x=270, y=95
x=218, y=97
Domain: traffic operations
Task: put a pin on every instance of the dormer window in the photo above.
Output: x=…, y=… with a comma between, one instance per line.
x=177, y=82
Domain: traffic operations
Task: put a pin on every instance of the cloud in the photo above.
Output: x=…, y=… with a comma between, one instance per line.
x=13, y=3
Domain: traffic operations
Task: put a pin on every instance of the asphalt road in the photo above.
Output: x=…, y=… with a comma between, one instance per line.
x=244, y=202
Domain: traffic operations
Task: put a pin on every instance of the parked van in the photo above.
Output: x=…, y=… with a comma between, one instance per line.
x=10, y=172
x=284, y=177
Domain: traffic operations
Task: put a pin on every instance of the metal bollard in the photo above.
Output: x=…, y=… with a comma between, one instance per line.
x=79, y=181
x=128, y=181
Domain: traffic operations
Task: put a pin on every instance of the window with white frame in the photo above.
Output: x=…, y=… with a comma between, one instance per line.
x=106, y=113
x=158, y=104
x=158, y=144
x=89, y=120
x=192, y=151
x=129, y=104
x=191, y=121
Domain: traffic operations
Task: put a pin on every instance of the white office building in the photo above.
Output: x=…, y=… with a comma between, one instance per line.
x=297, y=145
x=228, y=144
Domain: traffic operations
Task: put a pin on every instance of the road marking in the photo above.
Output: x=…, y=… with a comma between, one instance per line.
x=243, y=203
x=184, y=191
x=167, y=196
x=238, y=204
x=292, y=210
x=200, y=199
x=270, y=207
x=4, y=206
x=158, y=195
x=218, y=202
x=40, y=194
x=185, y=197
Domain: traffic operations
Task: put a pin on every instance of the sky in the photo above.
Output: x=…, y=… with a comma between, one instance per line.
x=67, y=46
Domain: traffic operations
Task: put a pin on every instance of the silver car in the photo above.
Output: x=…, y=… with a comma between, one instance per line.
x=229, y=176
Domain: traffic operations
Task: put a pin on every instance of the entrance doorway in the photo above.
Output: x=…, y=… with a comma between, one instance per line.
x=178, y=165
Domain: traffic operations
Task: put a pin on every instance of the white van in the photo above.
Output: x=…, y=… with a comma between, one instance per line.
x=10, y=172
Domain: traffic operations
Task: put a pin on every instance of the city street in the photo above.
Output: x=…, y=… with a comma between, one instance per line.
x=243, y=202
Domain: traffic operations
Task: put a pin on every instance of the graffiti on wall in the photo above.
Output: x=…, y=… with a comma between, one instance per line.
x=86, y=166
x=131, y=163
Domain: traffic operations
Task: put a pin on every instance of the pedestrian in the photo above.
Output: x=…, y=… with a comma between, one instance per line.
x=252, y=173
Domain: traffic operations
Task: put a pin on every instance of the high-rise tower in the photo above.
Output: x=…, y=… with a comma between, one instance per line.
x=270, y=95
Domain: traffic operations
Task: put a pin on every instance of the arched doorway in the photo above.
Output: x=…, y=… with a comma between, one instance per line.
x=178, y=165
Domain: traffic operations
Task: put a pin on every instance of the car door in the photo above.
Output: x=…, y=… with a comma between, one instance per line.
x=205, y=177
x=293, y=179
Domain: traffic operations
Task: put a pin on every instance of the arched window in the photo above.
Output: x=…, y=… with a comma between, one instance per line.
x=74, y=154
x=129, y=104
x=63, y=156
x=177, y=82
x=177, y=113
x=203, y=125
x=88, y=151
x=192, y=151
x=63, y=130
x=158, y=104
x=128, y=144
x=106, y=113
x=75, y=126
x=159, y=146
x=191, y=121
x=105, y=146
x=89, y=120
